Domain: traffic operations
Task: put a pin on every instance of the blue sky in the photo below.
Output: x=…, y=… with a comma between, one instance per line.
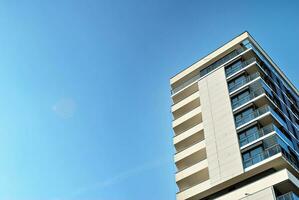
x=85, y=104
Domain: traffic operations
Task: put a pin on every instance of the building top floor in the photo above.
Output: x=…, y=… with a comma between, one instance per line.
x=221, y=56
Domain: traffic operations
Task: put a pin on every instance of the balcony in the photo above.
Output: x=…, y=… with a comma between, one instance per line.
x=190, y=156
x=267, y=153
x=258, y=134
x=185, y=94
x=256, y=113
x=194, y=190
x=271, y=151
x=188, y=172
x=179, y=140
x=193, y=139
x=185, y=102
x=192, y=176
x=249, y=78
x=288, y=196
x=187, y=121
x=185, y=84
x=250, y=96
x=190, y=104
x=240, y=66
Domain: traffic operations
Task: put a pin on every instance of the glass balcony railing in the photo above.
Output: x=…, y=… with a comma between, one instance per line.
x=252, y=115
x=288, y=196
x=271, y=151
x=292, y=160
x=240, y=66
x=262, y=156
x=262, y=132
x=258, y=134
x=244, y=81
x=247, y=98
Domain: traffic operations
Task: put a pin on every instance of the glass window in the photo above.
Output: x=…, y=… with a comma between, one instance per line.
x=233, y=68
x=269, y=142
x=248, y=135
x=244, y=116
x=244, y=113
x=236, y=82
x=256, y=151
x=239, y=97
x=252, y=153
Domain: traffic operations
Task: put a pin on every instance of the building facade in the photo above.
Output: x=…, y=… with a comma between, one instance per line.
x=235, y=123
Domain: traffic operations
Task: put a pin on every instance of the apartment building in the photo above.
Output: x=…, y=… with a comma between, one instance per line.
x=235, y=123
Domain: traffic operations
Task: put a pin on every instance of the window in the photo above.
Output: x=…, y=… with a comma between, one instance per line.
x=246, y=43
x=244, y=117
x=240, y=98
x=290, y=95
x=245, y=113
x=269, y=142
x=233, y=68
x=220, y=62
x=236, y=82
x=253, y=156
x=248, y=135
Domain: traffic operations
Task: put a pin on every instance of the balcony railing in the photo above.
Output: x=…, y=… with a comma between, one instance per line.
x=240, y=66
x=258, y=112
x=288, y=196
x=290, y=159
x=262, y=156
x=244, y=81
x=258, y=134
x=271, y=151
x=248, y=97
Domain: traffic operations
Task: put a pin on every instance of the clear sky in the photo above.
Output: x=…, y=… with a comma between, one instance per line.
x=85, y=104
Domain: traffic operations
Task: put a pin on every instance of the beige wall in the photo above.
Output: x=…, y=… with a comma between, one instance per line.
x=223, y=152
x=265, y=194
x=261, y=189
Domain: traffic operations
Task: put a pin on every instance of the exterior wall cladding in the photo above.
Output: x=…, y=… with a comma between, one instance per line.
x=235, y=123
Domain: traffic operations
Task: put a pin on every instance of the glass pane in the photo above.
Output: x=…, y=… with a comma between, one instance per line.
x=269, y=142
x=242, y=135
x=252, y=130
x=247, y=112
x=244, y=94
x=246, y=156
x=256, y=151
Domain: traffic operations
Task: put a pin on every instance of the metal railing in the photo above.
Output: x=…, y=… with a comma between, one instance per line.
x=252, y=115
x=288, y=196
x=248, y=97
x=240, y=66
x=244, y=81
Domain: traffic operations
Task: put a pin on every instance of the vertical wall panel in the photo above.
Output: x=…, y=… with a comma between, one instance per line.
x=223, y=152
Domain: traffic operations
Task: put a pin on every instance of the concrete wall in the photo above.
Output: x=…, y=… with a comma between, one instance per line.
x=223, y=152
x=261, y=189
x=265, y=194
